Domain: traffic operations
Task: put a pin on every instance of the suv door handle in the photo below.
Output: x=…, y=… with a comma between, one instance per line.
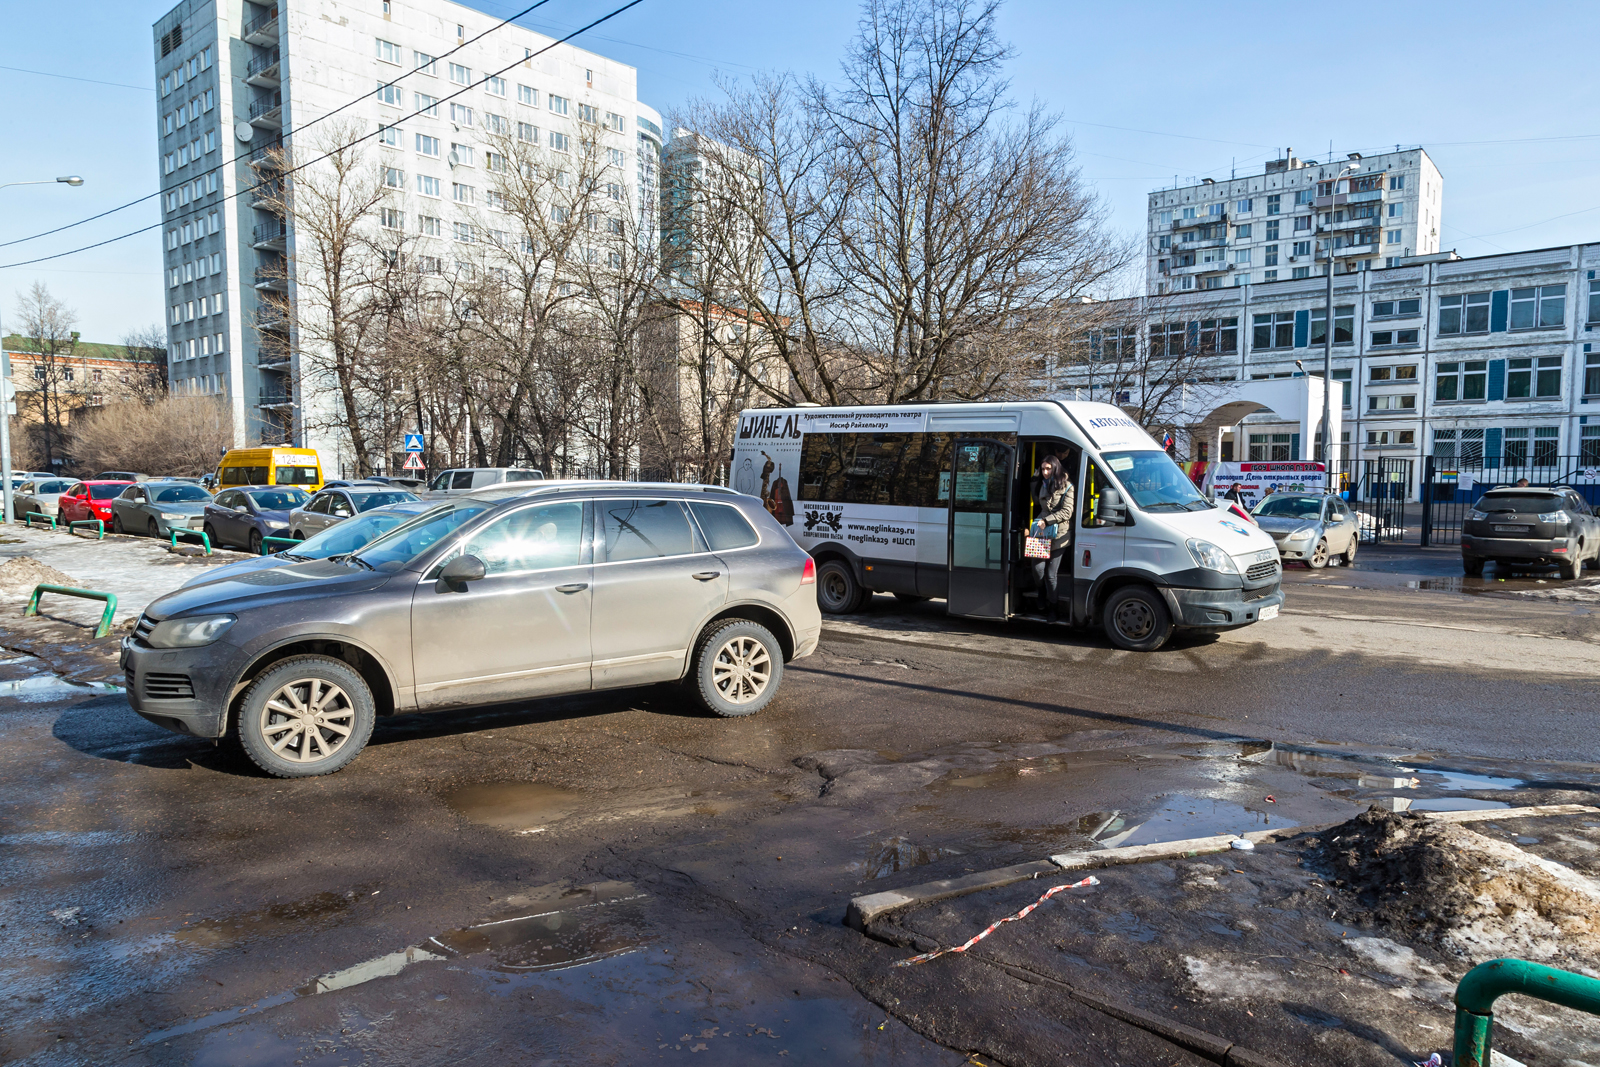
x=706, y=576
x=575, y=587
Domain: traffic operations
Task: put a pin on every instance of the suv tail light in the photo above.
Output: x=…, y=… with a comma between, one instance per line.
x=809, y=575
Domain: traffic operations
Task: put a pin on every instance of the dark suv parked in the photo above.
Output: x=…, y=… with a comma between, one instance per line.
x=1530, y=526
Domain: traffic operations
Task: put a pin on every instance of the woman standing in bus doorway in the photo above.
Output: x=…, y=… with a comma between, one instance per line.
x=1054, y=497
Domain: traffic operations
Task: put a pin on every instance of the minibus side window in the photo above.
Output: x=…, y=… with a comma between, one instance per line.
x=1089, y=497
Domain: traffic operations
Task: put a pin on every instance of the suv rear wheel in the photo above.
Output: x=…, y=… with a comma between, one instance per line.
x=838, y=592
x=1472, y=565
x=1137, y=619
x=305, y=716
x=738, y=666
x=1571, y=568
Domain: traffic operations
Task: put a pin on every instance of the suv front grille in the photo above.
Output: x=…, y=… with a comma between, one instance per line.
x=1259, y=571
x=141, y=632
x=168, y=687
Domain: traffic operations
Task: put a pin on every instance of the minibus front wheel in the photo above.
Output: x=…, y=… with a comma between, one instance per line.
x=1137, y=619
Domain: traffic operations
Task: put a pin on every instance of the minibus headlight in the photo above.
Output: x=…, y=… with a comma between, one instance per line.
x=1211, y=557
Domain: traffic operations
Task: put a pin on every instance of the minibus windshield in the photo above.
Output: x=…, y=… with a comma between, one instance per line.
x=1154, y=482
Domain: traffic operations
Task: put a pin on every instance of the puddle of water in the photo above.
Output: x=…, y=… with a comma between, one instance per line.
x=1456, y=804
x=1466, y=780
x=1323, y=765
x=523, y=806
x=898, y=854
x=554, y=929
x=1177, y=819
x=52, y=687
x=274, y=920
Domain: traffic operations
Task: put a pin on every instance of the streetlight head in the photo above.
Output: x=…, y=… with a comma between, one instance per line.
x=71, y=179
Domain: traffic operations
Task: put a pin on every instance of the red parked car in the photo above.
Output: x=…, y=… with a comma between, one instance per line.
x=89, y=500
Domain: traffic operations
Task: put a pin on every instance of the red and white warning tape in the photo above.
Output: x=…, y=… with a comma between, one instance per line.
x=926, y=956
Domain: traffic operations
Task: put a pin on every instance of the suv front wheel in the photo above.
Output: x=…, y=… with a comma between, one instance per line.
x=737, y=668
x=305, y=716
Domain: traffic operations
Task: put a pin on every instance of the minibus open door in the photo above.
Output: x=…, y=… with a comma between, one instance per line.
x=980, y=522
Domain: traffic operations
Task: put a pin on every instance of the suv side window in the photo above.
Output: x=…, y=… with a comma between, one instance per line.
x=318, y=505
x=723, y=526
x=442, y=481
x=461, y=480
x=534, y=538
x=645, y=529
x=339, y=504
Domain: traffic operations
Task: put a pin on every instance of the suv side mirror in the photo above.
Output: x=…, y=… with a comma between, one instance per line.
x=1112, y=510
x=459, y=571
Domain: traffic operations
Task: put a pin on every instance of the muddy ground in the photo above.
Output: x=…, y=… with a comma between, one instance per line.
x=615, y=879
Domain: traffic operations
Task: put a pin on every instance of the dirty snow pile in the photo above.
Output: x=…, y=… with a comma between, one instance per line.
x=19, y=574
x=1475, y=896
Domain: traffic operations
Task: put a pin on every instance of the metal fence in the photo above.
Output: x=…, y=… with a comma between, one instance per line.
x=1379, y=493
x=1451, y=485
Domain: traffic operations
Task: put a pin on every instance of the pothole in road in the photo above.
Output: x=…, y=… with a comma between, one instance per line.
x=274, y=920
x=898, y=853
x=522, y=807
x=555, y=929
x=1177, y=819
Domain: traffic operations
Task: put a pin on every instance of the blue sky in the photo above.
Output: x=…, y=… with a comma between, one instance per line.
x=1499, y=94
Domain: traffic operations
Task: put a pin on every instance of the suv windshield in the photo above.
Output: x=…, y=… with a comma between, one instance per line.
x=182, y=494
x=1155, y=482
x=1521, y=503
x=368, y=501
x=1290, y=507
x=404, y=543
x=280, y=499
x=348, y=536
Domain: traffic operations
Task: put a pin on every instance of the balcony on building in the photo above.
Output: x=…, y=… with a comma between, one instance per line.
x=262, y=148
x=267, y=112
x=272, y=277
x=276, y=398
x=262, y=71
x=263, y=29
x=271, y=318
x=273, y=235
x=264, y=195
x=1199, y=268
x=1203, y=220
x=272, y=353
x=1351, y=224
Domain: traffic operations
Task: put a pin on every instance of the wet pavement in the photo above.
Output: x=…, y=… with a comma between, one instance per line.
x=617, y=879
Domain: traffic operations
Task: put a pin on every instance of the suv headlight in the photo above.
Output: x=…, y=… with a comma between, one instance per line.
x=1554, y=516
x=1476, y=515
x=1211, y=557
x=190, y=633
x=1302, y=534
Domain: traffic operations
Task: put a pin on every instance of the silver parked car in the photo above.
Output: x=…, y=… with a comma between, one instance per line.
x=460, y=480
x=566, y=588
x=156, y=508
x=330, y=506
x=1310, y=527
x=39, y=496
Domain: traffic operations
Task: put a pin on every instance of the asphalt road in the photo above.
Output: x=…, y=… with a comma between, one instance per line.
x=616, y=879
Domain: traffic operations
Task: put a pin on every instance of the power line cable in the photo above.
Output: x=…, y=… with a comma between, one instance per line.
x=75, y=78
x=364, y=137
x=288, y=133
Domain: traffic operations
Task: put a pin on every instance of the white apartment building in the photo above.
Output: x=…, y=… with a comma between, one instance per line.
x=1273, y=226
x=236, y=79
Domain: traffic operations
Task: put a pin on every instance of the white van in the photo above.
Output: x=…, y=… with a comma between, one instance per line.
x=867, y=491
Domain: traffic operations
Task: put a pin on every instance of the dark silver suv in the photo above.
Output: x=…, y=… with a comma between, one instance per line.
x=1530, y=526
x=560, y=588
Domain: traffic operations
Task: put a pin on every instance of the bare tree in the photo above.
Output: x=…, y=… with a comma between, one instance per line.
x=172, y=435
x=147, y=363
x=46, y=325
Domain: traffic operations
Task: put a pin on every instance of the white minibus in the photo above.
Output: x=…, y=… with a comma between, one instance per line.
x=935, y=500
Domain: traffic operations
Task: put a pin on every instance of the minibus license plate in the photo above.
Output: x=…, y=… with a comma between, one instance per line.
x=1268, y=612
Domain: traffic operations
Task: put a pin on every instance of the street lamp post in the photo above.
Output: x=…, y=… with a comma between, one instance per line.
x=1327, y=354
x=5, y=381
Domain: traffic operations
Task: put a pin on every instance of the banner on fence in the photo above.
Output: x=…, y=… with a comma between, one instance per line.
x=1255, y=480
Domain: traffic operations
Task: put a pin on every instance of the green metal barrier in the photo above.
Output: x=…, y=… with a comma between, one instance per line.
x=88, y=594
x=179, y=530
x=99, y=527
x=291, y=541
x=1476, y=994
x=27, y=520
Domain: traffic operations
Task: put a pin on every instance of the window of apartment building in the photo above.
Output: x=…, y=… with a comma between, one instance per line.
x=527, y=133
x=495, y=201
x=1533, y=378
x=1168, y=340
x=1300, y=272
x=394, y=177
x=616, y=122
x=463, y=231
x=1515, y=442
x=1245, y=206
x=496, y=85
x=494, y=161
x=1341, y=377
x=1242, y=255
x=1164, y=218
x=208, y=100
x=428, y=105
x=1214, y=210
x=1303, y=197
x=1344, y=324
x=616, y=157
x=1589, y=446
x=423, y=63
x=1397, y=181
x=390, y=94
x=1464, y=313
x=560, y=142
x=1219, y=336
x=1269, y=275
x=1273, y=330
x=1302, y=223
x=1270, y=255
x=555, y=103
x=1189, y=213
x=495, y=124
x=1385, y=438
x=462, y=194
x=427, y=146
x=388, y=52
x=429, y=186
x=1396, y=309
x=527, y=94
x=1397, y=211
x=391, y=218
x=429, y=226
x=1392, y=237
x=461, y=75
x=1323, y=189
x=559, y=213
x=462, y=155
x=1461, y=381
x=1406, y=374
x=1392, y=402
x=1242, y=233
x=461, y=114
x=1391, y=338
x=1538, y=307
x=1269, y=447
x=589, y=113
x=1275, y=204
